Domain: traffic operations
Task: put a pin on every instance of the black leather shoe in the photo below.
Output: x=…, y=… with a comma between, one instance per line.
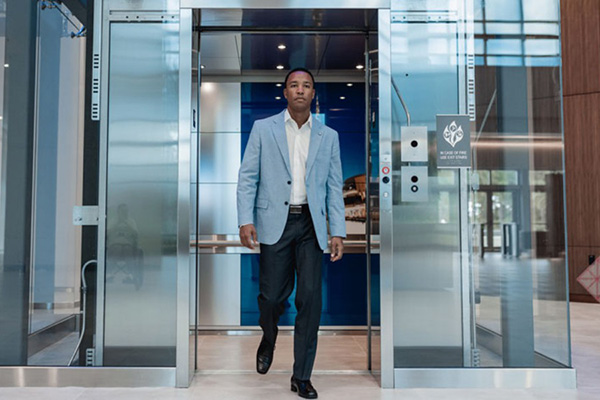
x=305, y=389
x=264, y=357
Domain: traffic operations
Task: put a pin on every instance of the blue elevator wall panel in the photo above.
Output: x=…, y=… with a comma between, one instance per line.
x=344, y=282
x=344, y=292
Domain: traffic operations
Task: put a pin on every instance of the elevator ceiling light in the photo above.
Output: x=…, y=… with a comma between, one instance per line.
x=202, y=66
x=359, y=66
x=280, y=67
x=342, y=97
x=349, y=84
x=277, y=97
x=278, y=84
x=281, y=47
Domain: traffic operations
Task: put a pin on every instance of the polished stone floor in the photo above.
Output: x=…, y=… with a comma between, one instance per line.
x=339, y=373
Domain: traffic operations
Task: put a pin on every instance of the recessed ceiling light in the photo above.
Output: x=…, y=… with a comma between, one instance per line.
x=277, y=97
x=278, y=84
x=359, y=66
x=5, y=65
x=342, y=97
x=281, y=47
x=202, y=66
x=349, y=84
x=280, y=67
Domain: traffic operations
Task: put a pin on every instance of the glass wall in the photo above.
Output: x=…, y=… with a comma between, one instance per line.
x=508, y=307
x=518, y=159
x=41, y=98
x=56, y=247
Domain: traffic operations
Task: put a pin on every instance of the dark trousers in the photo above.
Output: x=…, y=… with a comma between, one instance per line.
x=296, y=254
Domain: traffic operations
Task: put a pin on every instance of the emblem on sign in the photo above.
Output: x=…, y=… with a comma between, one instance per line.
x=453, y=133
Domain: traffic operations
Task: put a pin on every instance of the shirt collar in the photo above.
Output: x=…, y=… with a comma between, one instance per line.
x=287, y=117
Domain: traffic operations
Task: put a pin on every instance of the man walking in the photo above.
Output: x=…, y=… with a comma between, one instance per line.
x=290, y=181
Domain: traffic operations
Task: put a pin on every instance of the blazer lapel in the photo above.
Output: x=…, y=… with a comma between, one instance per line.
x=281, y=140
x=316, y=134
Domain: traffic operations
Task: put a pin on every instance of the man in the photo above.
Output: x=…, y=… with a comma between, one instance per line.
x=289, y=180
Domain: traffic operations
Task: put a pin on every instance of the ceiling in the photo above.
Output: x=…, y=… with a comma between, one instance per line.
x=247, y=42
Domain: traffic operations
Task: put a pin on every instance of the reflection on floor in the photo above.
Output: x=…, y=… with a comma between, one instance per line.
x=238, y=353
x=531, y=289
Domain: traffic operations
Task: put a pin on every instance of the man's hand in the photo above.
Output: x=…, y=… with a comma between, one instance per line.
x=337, y=248
x=247, y=235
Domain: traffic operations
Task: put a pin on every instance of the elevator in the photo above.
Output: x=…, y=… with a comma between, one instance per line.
x=422, y=288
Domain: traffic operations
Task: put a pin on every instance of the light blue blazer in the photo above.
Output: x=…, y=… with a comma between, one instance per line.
x=263, y=190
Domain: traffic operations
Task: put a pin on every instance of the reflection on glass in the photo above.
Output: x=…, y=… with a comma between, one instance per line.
x=505, y=178
x=522, y=318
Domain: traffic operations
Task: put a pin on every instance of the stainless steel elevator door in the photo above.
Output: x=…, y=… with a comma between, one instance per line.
x=141, y=195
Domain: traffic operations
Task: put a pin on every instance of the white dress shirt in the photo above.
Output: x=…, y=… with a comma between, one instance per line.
x=298, y=141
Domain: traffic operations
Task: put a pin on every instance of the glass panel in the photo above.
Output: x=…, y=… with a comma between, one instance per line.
x=522, y=316
x=58, y=172
x=41, y=128
x=427, y=295
x=141, y=197
x=507, y=10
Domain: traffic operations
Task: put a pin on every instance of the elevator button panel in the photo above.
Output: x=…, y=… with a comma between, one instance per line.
x=414, y=144
x=415, y=185
x=385, y=187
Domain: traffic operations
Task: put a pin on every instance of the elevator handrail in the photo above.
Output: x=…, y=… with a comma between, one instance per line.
x=236, y=243
x=401, y=101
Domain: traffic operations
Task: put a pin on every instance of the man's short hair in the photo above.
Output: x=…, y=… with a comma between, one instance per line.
x=299, y=69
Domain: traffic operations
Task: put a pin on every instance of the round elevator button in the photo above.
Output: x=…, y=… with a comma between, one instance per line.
x=414, y=143
x=386, y=179
x=414, y=179
x=414, y=188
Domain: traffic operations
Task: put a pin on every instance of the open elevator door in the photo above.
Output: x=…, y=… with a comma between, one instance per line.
x=220, y=128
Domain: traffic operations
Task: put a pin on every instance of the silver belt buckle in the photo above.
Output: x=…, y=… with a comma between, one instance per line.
x=295, y=209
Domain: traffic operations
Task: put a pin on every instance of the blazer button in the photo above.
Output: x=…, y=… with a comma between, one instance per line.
x=286, y=203
x=289, y=182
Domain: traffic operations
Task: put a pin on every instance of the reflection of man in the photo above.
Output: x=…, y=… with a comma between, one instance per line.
x=123, y=230
x=289, y=180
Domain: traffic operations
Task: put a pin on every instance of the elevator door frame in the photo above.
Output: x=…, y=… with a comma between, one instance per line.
x=373, y=5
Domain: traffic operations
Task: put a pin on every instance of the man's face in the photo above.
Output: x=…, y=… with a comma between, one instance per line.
x=299, y=91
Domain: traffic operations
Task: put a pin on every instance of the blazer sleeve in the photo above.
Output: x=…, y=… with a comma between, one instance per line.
x=248, y=178
x=335, y=199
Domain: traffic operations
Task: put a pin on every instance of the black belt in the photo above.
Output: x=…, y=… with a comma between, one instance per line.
x=298, y=208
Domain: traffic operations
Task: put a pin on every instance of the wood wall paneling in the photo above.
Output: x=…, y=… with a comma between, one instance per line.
x=582, y=141
x=580, y=28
